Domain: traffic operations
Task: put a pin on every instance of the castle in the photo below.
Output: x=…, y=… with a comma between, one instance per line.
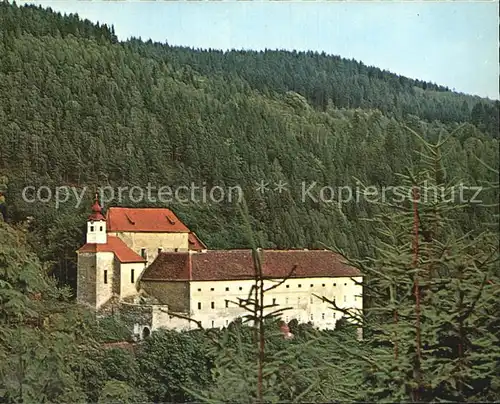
x=146, y=265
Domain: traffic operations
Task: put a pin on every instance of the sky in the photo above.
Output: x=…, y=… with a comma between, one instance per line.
x=451, y=43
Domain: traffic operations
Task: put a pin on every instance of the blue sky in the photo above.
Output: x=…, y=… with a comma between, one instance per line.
x=450, y=43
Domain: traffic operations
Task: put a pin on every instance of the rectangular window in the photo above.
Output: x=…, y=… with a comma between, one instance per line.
x=312, y=318
x=105, y=276
x=334, y=284
x=334, y=315
x=323, y=285
x=132, y=276
x=274, y=301
x=227, y=289
x=286, y=319
x=211, y=289
x=300, y=285
x=199, y=305
x=312, y=285
x=312, y=300
x=91, y=228
x=144, y=253
x=241, y=288
x=322, y=316
x=287, y=286
x=213, y=323
x=227, y=323
x=100, y=228
x=212, y=305
x=345, y=298
x=286, y=300
x=199, y=289
x=227, y=304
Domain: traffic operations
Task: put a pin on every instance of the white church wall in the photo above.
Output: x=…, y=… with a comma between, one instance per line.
x=96, y=232
x=104, y=277
x=129, y=275
x=149, y=243
x=162, y=319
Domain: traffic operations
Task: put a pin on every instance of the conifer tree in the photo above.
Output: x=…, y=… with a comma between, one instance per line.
x=246, y=370
x=431, y=291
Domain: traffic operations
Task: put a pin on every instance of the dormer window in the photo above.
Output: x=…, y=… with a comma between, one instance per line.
x=130, y=219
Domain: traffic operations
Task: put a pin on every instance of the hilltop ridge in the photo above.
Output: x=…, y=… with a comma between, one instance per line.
x=78, y=108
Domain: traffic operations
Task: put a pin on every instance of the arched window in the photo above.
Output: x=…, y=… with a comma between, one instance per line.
x=145, y=332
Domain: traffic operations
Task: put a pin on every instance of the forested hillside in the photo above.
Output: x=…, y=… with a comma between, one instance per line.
x=52, y=351
x=79, y=108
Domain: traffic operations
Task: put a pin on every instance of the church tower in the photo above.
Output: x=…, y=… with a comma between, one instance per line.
x=95, y=262
x=96, y=225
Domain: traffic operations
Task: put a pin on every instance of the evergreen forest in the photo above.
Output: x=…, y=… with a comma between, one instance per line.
x=81, y=109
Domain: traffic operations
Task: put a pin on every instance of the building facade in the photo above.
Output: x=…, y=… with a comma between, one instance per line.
x=146, y=264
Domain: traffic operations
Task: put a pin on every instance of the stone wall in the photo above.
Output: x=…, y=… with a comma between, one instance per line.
x=86, y=279
x=174, y=294
x=136, y=317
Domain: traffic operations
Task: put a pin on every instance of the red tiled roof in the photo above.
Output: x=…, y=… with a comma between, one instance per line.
x=115, y=245
x=195, y=243
x=238, y=264
x=144, y=220
x=169, y=266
